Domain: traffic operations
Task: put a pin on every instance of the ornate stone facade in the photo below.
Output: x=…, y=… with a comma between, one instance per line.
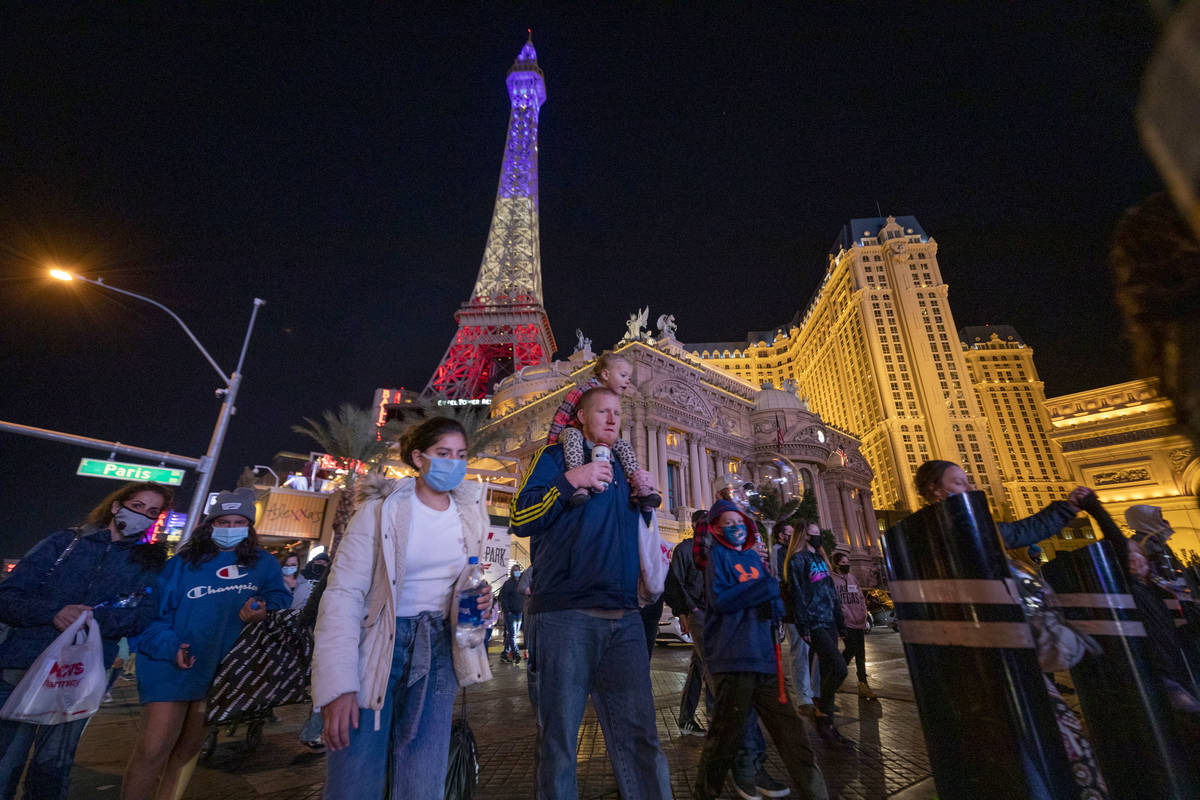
x=690, y=423
x=1123, y=441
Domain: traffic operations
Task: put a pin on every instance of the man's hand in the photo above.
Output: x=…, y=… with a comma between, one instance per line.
x=339, y=717
x=183, y=659
x=595, y=475
x=484, y=603
x=254, y=610
x=67, y=615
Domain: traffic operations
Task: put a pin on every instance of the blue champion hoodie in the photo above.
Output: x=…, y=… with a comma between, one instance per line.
x=586, y=557
x=736, y=585
x=200, y=605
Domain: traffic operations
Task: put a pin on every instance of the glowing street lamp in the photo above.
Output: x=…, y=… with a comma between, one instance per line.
x=208, y=462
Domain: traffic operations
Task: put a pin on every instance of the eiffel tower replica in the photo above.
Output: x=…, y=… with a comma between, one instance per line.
x=504, y=327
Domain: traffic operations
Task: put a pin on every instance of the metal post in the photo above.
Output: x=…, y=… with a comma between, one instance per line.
x=989, y=725
x=161, y=456
x=1122, y=702
x=228, y=409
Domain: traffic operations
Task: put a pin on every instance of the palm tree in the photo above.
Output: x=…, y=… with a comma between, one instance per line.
x=350, y=435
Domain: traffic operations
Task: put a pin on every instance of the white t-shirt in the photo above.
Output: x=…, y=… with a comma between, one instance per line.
x=435, y=557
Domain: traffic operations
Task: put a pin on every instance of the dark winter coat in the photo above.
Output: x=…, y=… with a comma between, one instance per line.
x=98, y=570
x=585, y=557
x=684, y=589
x=512, y=599
x=814, y=598
x=1039, y=527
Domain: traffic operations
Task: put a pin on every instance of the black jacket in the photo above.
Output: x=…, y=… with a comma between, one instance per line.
x=684, y=589
x=814, y=598
x=512, y=599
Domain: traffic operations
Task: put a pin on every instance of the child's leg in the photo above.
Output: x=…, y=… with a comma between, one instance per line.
x=628, y=460
x=735, y=695
x=788, y=732
x=571, y=440
x=626, y=456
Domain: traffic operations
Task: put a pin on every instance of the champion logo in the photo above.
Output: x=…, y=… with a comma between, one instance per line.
x=231, y=573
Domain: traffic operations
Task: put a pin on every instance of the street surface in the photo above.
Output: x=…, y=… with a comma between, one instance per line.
x=887, y=761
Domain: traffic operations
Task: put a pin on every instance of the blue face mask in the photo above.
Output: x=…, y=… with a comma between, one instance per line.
x=229, y=537
x=445, y=474
x=734, y=534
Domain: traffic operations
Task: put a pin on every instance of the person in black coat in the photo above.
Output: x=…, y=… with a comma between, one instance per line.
x=512, y=604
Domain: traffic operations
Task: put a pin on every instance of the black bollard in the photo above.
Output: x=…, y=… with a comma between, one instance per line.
x=989, y=724
x=1122, y=702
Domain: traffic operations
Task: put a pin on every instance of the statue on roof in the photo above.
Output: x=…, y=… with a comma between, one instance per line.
x=636, y=324
x=582, y=343
x=666, y=326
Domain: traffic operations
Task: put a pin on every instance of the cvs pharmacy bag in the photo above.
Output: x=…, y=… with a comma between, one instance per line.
x=66, y=682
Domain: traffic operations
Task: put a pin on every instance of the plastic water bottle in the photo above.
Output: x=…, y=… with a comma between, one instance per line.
x=470, y=629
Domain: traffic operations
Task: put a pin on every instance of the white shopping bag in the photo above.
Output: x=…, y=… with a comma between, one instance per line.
x=655, y=557
x=66, y=682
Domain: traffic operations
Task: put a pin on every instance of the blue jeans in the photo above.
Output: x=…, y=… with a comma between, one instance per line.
x=801, y=672
x=413, y=732
x=49, y=774
x=580, y=655
x=512, y=625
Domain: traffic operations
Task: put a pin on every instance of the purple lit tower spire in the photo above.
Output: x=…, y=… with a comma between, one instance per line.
x=503, y=327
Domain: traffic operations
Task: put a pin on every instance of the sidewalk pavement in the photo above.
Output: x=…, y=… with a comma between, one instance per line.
x=887, y=761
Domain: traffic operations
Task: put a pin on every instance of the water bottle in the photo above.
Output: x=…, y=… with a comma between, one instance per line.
x=470, y=629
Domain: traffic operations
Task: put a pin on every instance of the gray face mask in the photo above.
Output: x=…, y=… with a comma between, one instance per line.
x=130, y=523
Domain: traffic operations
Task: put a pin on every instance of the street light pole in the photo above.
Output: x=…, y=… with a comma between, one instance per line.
x=208, y=461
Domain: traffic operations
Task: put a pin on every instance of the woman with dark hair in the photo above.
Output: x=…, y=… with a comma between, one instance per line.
x=219, y=581
x=104, y=567
x=936, y=480
x=386, y=666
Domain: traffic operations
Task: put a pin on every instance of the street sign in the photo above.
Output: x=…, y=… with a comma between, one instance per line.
x=119, y=471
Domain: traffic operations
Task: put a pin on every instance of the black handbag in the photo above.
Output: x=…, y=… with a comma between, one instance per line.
x=268, y=666
x=462, y=770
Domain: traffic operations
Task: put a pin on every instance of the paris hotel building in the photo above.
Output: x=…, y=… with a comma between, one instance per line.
x=877, y=352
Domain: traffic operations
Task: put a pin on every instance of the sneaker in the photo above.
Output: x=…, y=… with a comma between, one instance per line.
x=692, y=728
x=769, y=787
x=580, y=497
x=830, y=734
x=517, y=658
x=865, y=691
x=504, y=658
x=316, y=747
x=745, y=789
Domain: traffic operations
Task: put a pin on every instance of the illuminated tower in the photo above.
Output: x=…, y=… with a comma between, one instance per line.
x=503, y=327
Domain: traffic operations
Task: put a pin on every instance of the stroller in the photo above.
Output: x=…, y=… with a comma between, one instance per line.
x=267, y=667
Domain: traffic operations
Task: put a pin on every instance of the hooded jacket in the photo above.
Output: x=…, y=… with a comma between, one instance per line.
x=743, y=604
x=585, y=557
x=356, y=622
x=97, y=570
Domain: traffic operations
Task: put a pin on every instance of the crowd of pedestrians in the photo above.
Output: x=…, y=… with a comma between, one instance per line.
x=398, y=629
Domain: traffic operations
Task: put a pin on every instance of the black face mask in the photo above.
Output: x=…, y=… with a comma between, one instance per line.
x=843, y=568
x=814, y=542
x=315, y=570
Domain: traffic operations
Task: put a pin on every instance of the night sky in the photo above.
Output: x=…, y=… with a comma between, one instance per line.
x=342, y=165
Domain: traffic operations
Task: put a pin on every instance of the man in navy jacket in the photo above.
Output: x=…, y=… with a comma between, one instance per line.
x=744, y=608
x=584, y=612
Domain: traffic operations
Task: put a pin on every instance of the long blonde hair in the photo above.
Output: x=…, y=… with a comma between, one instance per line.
x=799, y=531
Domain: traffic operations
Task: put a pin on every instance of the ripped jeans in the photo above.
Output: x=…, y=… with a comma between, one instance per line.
x=414, y=723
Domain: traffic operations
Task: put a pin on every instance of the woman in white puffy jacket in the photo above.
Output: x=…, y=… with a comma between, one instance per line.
x=386, y=667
